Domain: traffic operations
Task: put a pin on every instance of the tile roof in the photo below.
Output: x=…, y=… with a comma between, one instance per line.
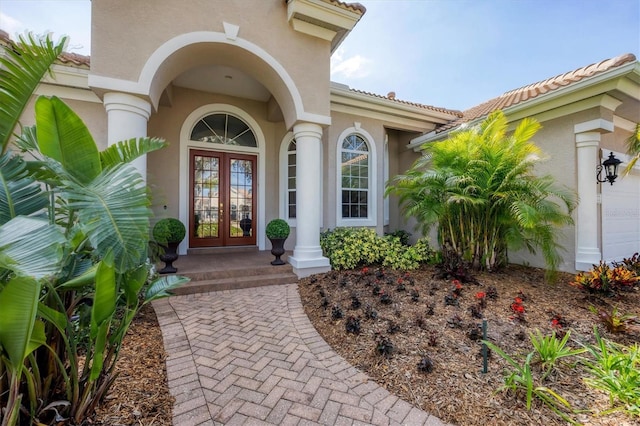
x=66, y=58
x=391, y=97
x=531, y=91
x=356, y=7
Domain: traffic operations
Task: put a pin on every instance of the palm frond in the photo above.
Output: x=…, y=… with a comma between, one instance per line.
x=21, y=70
x=19, y=193
x=63, y=136
x=30, y=247
x=127, y=151
x=114, y=213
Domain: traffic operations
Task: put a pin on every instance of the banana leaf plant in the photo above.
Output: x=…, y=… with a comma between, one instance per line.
x=74, y=231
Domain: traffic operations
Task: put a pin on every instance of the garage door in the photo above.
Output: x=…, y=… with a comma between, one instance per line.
x=621, y=216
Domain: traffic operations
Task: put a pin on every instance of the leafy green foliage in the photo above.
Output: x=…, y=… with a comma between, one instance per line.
x=478, y=186
x=350, y=248
x=168, y=230
x=613, y=320
x=633, y=149
x=20, y=72
x=615, y=369
x=74, y=229
x=277, y=228
x=550, y=349
x=521, y=379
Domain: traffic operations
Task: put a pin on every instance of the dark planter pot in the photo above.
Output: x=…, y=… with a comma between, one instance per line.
x=169, y=256
x=277, y=249
x=245, y=225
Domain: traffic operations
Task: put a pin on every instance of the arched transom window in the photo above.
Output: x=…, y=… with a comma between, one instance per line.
x=355, y=177
x=223, y=129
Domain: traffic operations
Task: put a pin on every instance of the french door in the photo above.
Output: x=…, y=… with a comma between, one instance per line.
x=222, y=199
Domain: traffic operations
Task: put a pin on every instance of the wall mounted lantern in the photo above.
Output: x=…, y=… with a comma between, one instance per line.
x=610, y=166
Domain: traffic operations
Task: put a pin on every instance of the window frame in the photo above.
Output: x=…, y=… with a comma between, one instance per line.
x=371, y=219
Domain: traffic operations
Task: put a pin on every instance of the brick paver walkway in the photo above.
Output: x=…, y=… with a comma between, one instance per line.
x=252, y=357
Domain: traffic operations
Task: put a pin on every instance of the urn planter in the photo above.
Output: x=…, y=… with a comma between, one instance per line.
x=277, y=249
x=169, y=256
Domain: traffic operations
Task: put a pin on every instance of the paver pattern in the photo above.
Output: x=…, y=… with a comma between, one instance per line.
x=252, y=357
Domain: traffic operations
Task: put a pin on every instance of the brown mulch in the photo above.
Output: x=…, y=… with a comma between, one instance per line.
x=455, y=390
x=418, y=324
x=140, y=395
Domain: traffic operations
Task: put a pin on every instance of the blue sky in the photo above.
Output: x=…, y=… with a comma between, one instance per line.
x=448, y=53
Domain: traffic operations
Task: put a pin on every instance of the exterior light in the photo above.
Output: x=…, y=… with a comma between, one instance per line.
x=610, y=166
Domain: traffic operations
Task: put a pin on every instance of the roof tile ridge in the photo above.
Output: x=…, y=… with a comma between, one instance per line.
x=416, y=104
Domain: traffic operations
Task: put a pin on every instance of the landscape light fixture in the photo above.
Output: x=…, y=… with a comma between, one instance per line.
x=610, y=166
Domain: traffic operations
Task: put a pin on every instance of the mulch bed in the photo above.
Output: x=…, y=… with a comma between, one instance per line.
x=417, y=324
x=140, y=395
x=409, y=314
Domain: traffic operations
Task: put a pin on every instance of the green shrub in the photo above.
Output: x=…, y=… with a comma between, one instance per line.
x=277, y=228
x=350, y=248
x=401, y=234
x=169, y=230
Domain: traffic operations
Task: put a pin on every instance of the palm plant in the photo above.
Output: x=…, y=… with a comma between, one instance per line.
x=479, y=188
x=633, y=149
x=74, y=229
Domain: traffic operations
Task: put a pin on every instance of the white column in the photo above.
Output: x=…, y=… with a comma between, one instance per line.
x=587, y=225
x=307, y=256
x=127, y=117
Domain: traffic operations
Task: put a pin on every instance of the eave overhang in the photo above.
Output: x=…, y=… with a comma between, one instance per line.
x=585, y=94
x=326, y=20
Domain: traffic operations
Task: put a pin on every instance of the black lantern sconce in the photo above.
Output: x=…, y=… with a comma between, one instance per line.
x=610, y=166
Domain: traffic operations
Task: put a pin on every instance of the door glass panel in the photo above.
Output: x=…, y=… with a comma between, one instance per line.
x=241, y=198
x=206, y=193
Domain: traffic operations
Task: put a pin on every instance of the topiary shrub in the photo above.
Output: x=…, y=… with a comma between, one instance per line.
x=277, y=228
x=168, y=230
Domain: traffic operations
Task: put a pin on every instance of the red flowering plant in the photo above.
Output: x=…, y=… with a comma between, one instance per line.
x=482, y=299
x=457, y=288
x=518, y=309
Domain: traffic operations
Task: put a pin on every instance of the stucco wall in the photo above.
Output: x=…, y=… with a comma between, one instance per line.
x=150, y=23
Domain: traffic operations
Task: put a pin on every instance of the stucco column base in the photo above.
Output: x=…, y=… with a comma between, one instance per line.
x=308, y=261
x=586, y=258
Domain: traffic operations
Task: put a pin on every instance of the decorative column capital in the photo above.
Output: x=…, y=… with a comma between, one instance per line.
x=118, y=101
x=599, y=125
x=305, y=129
x=588, y=139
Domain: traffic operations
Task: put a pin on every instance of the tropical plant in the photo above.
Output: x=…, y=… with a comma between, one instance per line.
x=277, y=228
x=74, y=228
x=633, y=149
x=521, y=379
x=168, y=230
x=478, y=186
x=613, y=320
x=549, y=349
x=616, y=370
x=602, y=278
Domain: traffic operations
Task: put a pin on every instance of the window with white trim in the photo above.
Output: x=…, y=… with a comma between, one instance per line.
x=291, y=180
x=354, y=170
x=356, y=178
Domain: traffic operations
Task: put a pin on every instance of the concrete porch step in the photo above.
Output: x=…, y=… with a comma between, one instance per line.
x=232, y=271
x=236, y=283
